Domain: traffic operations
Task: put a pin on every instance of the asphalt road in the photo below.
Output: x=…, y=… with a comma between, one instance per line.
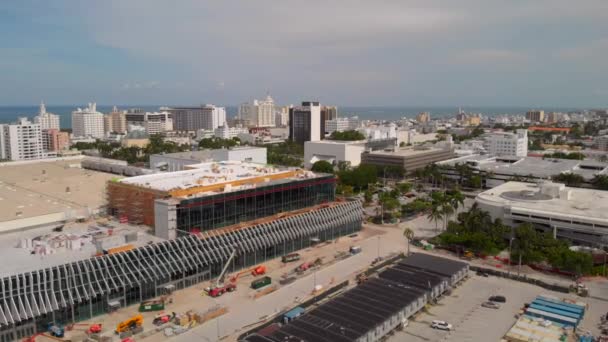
x=248, y=312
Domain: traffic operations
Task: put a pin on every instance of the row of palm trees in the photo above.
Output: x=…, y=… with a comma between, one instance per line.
x=443, y=205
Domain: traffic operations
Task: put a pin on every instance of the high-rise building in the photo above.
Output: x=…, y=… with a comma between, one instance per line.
x=46, y=120
x=21, y=141
x=244, y=114
x=327, y=113
x=535, y=115
x=423, y=117
x=87, y=122
x=281, y=118
x=259, y=113
x=53, y=140
x=115, y=122
x=264, y=112
x=507, y=143
x=195, y=118
x=152, y=123
x=305, y=122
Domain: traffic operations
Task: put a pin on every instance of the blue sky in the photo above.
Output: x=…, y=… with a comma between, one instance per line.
x=346, y=52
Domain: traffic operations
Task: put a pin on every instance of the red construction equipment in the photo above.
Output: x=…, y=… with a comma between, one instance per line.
x=303, y=267
x=254, y=271
x=94, y=329
x=220, y=288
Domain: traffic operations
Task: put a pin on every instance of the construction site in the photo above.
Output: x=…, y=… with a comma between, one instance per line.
x=212, y=195
x=75, y=291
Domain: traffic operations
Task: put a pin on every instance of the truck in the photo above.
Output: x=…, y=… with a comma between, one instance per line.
x=152, y=305
x=261, y=282
x=219, y=288
x=355, y=250
x=290, y=257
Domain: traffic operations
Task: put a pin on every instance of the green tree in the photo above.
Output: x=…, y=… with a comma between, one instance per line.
x=322, y=166
x=368, y=196
x=570, y=179
x=347, y=136
x=435, y=215
x=404, y=187
x=409, y=236
x=600, y=182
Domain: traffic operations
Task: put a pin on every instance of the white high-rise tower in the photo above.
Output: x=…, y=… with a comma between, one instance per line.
x=46, y=120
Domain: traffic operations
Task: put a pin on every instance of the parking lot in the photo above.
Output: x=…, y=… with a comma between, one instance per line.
x=471, y=321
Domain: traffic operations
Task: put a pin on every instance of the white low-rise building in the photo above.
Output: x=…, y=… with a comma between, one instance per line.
x=342, y=124
x=178, y=161
x=226, y=132
x=577, y=214
x=507, y=143
x=380, y=132
x=333, y=151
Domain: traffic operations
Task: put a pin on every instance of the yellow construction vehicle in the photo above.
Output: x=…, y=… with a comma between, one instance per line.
x=132, y=323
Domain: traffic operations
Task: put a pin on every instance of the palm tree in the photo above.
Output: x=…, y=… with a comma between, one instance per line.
x=435, y=215
x=446, y=211
x=409, y=235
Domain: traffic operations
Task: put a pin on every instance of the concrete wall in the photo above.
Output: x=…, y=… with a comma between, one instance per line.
x=165, y=219
x=252, y=155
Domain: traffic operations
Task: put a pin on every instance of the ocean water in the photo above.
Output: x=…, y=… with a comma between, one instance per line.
x=11, y=113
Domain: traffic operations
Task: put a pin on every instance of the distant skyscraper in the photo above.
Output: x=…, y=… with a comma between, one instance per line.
x=327, y=113
x=21, y=141
x=46, y=120
x=281, y=117
x=423, y=117
x=87, y=122
x=116, y=121
x=305, y=122
x=259, y=113
x=536, y=115
x=207, y=117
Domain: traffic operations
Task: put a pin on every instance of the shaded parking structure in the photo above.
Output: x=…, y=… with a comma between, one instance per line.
x=371, y=310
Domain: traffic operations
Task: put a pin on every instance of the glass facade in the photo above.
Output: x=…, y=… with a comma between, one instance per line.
x=81, y=290
x=210, y=212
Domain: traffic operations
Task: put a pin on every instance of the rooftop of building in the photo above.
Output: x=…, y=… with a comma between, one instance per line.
x=203, y=155
x=337, y=142
x=524, y=166
x=555, y=198
x=409, y=152
x=224, y=176
x=35, y=188
x=51, y=248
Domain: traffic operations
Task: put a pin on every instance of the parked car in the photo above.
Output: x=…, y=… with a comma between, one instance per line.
x=483, y=274
x=490, y=305
x=499, y=299
x=441, y=325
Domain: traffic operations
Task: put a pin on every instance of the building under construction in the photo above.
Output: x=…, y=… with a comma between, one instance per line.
x=213, y=195
x=82, y=289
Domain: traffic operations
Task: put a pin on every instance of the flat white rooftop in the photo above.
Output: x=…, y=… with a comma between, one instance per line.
x=587, y=204
x=204, y=174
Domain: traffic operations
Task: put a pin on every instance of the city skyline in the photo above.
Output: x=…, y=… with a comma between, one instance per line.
x=475, y=53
